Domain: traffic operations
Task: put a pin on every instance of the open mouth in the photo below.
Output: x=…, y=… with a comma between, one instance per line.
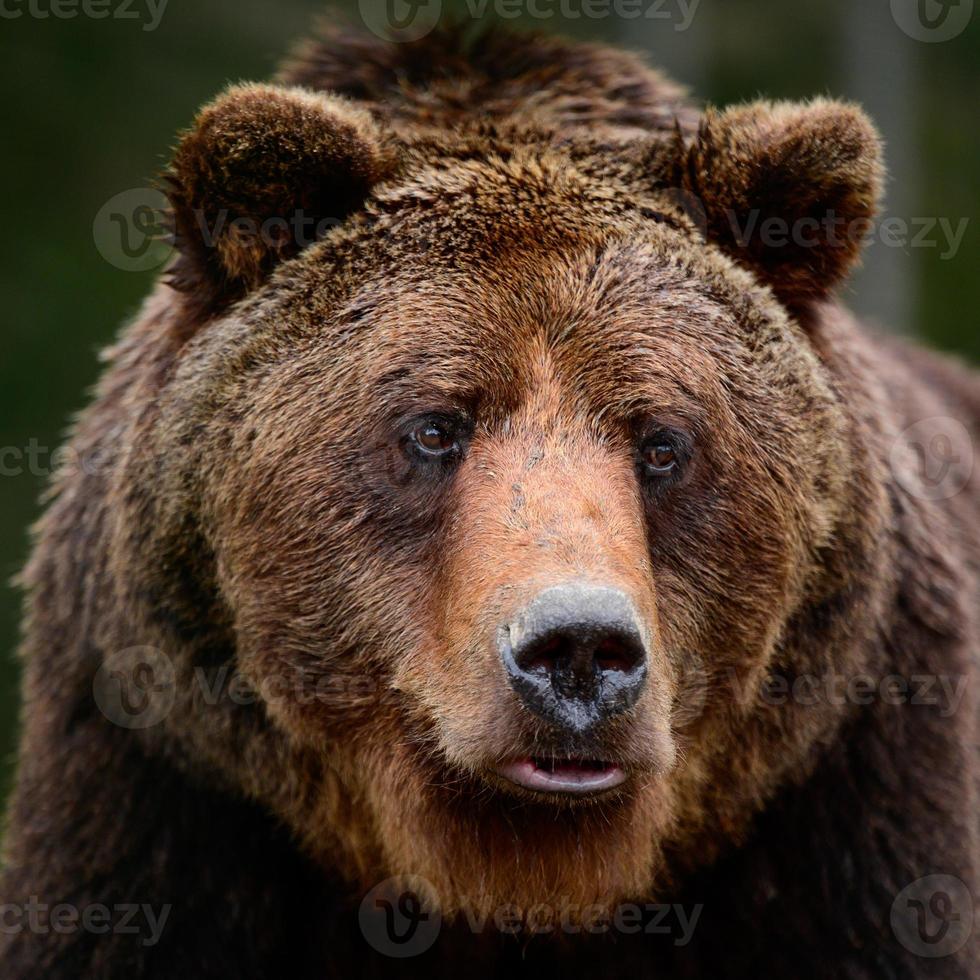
x=574, y=777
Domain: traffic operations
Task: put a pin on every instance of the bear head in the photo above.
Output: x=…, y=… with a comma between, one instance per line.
x=492, y=463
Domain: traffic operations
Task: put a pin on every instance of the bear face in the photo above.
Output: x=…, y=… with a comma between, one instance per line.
x=496, y=492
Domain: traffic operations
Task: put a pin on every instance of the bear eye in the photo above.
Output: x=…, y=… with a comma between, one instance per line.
x=659, y=458
x=663, y=455
x=435, y=438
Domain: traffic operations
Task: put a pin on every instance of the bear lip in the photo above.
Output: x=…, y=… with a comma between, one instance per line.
x=575, y=777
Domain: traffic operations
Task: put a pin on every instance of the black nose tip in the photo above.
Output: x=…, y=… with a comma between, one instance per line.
x=576, y=655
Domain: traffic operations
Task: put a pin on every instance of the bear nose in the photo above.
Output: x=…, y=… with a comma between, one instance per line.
x=575, y=655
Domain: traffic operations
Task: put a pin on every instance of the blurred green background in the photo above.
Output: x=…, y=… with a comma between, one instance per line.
x=92, y=106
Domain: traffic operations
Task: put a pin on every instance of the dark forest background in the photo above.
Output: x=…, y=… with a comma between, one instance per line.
x=91, y=107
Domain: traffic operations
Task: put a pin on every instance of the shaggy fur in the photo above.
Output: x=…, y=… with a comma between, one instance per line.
x=535, y=239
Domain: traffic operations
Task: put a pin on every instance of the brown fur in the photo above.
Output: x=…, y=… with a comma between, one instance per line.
x=515, y=242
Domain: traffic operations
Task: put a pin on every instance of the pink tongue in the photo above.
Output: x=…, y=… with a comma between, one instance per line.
x=562, y=775
x=570, y=767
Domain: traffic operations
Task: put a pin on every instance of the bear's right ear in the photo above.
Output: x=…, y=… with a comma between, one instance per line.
x=263, y=171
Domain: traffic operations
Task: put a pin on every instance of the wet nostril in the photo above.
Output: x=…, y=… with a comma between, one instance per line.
x=580, y=649
x=543, y=656
x=616, y=654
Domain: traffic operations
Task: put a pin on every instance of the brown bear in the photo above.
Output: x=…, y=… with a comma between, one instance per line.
x=493, y=548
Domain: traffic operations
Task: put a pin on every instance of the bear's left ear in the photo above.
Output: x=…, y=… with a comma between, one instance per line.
x=788, y=190
x=262, y=173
